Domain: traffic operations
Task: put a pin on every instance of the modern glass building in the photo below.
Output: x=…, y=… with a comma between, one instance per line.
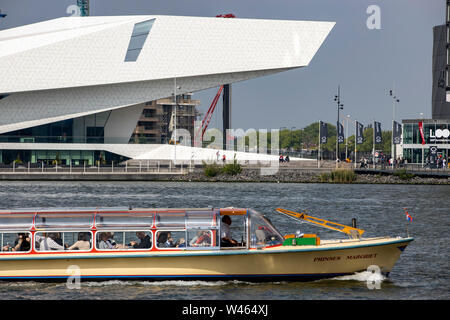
x=436, y=133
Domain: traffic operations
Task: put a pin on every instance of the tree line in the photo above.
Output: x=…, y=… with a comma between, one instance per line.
x=308, y=138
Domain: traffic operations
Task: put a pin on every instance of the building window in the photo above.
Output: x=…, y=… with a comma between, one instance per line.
x=407, y=134
x=447, y=78
x=138, y=37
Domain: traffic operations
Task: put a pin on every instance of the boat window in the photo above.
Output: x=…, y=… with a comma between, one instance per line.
x=233, y=231
x=132, y=219
x=16, y=221
x=170, y=220
x=124, y=240
x=201, y=219
x=15, y=242
x=171, y=239
x=202, y=238
x=60, y=241
x=262, y=232
x=57, y=220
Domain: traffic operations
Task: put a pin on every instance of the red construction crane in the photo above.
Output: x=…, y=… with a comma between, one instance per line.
x=212, y=107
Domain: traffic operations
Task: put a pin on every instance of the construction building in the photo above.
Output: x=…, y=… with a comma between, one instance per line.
x=156, y=124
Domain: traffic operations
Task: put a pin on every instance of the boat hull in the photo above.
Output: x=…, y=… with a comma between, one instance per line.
x=299, y=263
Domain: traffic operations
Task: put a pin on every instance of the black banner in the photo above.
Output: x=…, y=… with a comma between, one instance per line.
x=340, y=131
x=397, y=133
x=359, y=133
x=433, y=157
x=323, y=131
x=377, y=132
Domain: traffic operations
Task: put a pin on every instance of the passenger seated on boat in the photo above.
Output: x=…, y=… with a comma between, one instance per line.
x=104, y=243
x=264, y=235
x=51, y=242
x=22, y=243
x=260, y=236
x=37, y=240
x=165, y=240
x=202, y=239
x=82, y=243
x=113, y=243
x=226, y=240
x=180, y=243
x=146, y=241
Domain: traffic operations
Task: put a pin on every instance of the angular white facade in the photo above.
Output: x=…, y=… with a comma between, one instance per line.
x=77, y=66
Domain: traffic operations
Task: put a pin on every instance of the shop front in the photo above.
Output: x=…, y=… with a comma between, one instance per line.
x=426, y=142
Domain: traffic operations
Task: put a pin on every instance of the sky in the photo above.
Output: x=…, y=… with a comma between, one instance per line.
x=365, y=63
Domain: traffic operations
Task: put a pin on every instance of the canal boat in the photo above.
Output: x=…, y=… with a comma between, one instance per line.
x=181, y=244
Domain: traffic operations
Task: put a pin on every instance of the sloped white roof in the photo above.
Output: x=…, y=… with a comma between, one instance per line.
x=87, y=51
x=75, y=66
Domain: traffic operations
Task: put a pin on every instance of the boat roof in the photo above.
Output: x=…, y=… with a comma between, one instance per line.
x=222, y=211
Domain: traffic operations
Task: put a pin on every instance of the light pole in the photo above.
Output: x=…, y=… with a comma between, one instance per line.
x=290, y=143
x=346, y=137
x=394, y=100
x=423, y=150
x=354, y=122
x=281, y=141
x=175, y=117
x=340, y=106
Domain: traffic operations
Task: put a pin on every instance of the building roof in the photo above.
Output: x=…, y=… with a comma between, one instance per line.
x=75, y=66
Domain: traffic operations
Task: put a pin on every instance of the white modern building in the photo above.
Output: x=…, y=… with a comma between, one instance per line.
x=74, y=88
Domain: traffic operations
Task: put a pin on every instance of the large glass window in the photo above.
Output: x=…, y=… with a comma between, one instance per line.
x=124, y=240
x=170, y=220
x=201, y=238
x=407, y=155
x=16, y=221
x=262, y=232
x=416, y=138
x=60, y=241
x=407, y=133
x=15, y=242
x=132, y=219
x=417, y=156
x=67, y=220
x=171, y=239
x=138, y=37
x=201, y=219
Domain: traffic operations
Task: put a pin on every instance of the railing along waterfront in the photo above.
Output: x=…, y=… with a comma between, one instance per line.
x=142, y=167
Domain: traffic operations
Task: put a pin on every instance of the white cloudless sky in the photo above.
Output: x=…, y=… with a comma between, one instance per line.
x=365, y=63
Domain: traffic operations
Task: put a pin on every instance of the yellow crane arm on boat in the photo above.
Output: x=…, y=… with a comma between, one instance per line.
x=353, y=233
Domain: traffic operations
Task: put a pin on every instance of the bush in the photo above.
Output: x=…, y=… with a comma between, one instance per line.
x=211, y=170
x=402, y=174
x=232, y=168
x=339, y=176
x=325, y=177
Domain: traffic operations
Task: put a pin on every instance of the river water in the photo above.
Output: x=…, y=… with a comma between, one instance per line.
x=422, y=271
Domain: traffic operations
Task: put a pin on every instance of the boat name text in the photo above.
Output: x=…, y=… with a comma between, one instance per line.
x=351, y=257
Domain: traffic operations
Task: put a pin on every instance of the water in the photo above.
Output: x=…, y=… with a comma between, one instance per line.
x=421, y=272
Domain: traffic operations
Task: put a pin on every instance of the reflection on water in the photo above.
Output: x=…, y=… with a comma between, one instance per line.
x=421, y=272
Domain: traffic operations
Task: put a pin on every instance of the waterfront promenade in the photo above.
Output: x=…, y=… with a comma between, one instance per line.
x=292, y=172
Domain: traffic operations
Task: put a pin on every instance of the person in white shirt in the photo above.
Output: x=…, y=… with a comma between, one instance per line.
x=49, y=243
x=225, y=233
x=104, y=243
